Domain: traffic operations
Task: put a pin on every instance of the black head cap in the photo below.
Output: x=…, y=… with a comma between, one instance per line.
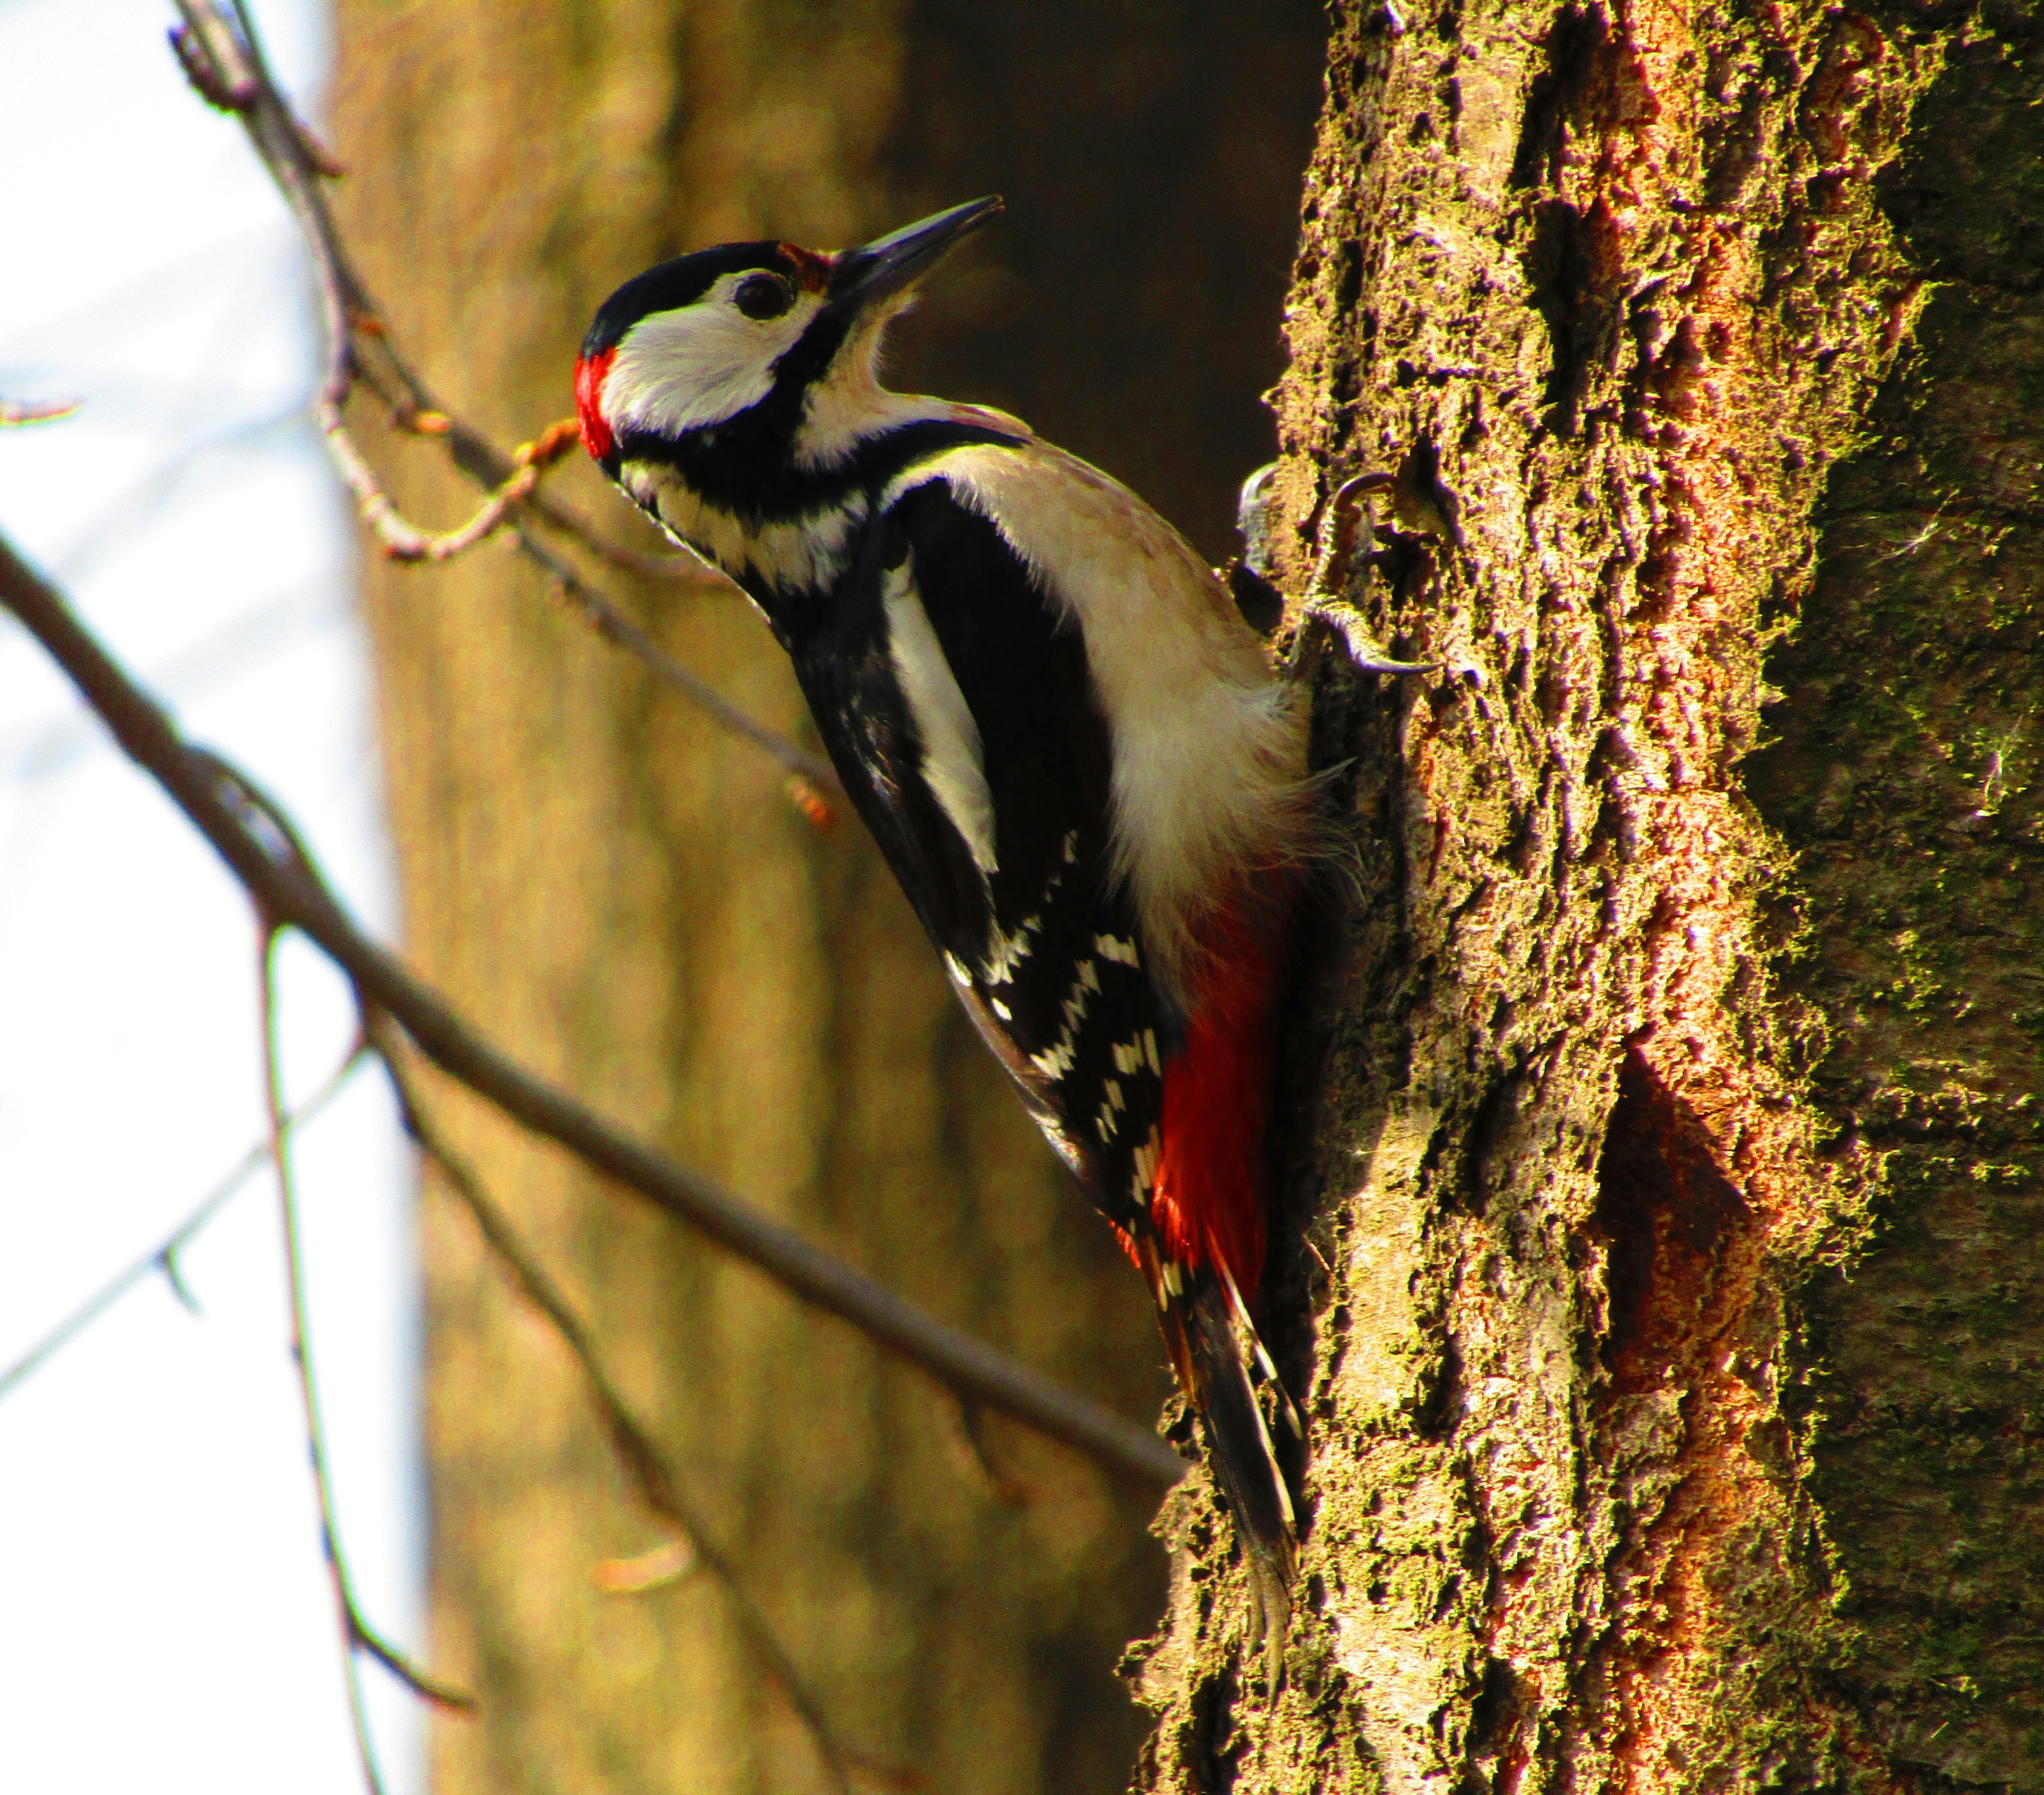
x=669, y=286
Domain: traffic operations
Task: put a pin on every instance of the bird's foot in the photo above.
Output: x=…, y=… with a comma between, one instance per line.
x=1346, y=557
x=1350, y=528
x=1365, y=654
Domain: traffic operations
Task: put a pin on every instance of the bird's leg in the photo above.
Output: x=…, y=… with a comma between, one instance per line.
x=1350, y=525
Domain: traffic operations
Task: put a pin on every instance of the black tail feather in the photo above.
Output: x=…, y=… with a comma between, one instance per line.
x=1239, y=1441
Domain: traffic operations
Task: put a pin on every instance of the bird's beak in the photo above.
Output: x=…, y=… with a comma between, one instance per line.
x=865, y=276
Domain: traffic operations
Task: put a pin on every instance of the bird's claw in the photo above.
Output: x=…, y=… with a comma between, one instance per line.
x=1343, y=619
x=1352, y=518
x=1350, y=528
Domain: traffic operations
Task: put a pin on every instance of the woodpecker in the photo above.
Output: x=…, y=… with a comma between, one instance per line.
x=1070, y=747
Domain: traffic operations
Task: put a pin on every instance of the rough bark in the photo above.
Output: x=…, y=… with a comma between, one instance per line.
x=623, y=896
x=1662, y=1259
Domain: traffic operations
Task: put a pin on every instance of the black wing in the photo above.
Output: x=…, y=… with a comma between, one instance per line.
x=1042, y=943
x=1040, y=938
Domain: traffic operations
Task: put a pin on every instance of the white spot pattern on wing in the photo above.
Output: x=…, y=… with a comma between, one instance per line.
x=1005, y=952
x=1147, y=1156
x=1058, y=1060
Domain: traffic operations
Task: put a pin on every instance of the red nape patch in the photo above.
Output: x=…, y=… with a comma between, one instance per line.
x=812, y=269
x=591, y=372
x=1209, y=1200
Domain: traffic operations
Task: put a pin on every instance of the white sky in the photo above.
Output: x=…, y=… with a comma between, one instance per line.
x=165, y=1622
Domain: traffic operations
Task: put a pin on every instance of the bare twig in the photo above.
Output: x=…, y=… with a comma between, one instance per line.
x=815, y=777
x=355, y=1632
x=414, y=1676
x=163, y=1257
x=223, y=59
x=404, y=541
x=634, y=1446
x=258, y=846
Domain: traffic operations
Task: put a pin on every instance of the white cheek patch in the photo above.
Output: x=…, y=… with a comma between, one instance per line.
x=681, y=369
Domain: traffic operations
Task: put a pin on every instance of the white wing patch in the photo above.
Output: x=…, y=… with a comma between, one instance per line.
x=951, y=765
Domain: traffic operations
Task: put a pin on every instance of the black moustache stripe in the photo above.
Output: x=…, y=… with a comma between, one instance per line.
x=746, y=466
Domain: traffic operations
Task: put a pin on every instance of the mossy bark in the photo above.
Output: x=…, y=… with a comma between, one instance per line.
x=1906, y=776
x=1661, y=1264
x=624, y=898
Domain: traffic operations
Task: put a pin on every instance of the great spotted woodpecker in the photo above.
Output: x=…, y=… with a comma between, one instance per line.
x=1070, y=745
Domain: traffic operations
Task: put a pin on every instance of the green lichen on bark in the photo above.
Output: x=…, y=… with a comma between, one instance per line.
x=1906, y=775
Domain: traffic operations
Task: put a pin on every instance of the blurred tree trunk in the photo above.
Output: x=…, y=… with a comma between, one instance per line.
x=625, y=897
x=1666, y=1242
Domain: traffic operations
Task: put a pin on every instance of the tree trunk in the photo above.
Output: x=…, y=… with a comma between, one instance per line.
x=1662, y=1257
x=624, y=897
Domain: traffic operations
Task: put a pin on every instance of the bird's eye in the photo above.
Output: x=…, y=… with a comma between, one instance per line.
x=762, y=296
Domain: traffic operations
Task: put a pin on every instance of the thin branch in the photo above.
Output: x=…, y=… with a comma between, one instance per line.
x=678, y=566
x=404, y=541
x=223, y=60
x=163, y=1257
x=634, y=1446
x=353, y=1632
x=255, y=841
x=356, y=1631
x=414, y=1675
x=815, y=776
